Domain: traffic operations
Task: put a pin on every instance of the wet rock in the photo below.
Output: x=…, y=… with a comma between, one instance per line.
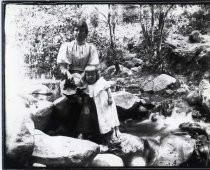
x=194, y=129
x=193, y=98
x=60, y=151
x=125, y=100
x=19, y=132
x=41, y=113
x=159, y=83
x=107, y=160
x=174, y=150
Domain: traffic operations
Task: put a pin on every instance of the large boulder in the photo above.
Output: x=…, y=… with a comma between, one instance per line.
x=107, y=160
x=127, y=104
x=129, y=64
x=159, y=83
x=60, y=151
x=130, y=146
x=19, y=132
x=41, y=113
x=125, y=100
x=173, y=150
x=193, y=97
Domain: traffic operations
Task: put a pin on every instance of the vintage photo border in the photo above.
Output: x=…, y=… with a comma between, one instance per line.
x=72, y=2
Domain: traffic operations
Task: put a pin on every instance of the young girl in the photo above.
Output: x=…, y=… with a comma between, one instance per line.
x=106, y=118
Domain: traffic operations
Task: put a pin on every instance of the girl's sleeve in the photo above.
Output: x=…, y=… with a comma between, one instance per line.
x=94, y=59
x=63, y=55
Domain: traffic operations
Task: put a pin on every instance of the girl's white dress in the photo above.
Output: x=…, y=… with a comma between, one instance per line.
x=107, y=114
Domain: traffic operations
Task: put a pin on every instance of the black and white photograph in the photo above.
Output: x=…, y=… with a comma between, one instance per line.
x=106, y=85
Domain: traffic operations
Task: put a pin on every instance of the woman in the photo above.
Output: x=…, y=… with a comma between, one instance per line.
x=73, y=57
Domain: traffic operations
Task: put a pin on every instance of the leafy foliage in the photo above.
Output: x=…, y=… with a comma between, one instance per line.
x=41, y=29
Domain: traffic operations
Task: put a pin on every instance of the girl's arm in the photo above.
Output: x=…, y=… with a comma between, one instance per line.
x=109, y=96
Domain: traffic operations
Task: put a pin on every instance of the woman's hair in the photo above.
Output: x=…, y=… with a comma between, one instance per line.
x=81, y=24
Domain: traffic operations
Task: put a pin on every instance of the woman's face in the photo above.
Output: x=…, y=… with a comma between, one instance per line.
x=80, y=34
x=91, y=77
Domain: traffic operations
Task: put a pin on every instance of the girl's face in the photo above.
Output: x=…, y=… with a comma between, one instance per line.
x=79, y=34
x=91, y=77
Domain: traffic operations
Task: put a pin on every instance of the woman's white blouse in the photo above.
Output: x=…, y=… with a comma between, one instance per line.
x=78, y=56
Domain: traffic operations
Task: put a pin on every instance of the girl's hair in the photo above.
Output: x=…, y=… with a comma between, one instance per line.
x=81, y=24
x=94, y=69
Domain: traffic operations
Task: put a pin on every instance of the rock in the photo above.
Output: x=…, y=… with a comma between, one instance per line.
x=174, y=150
x=123, y=71
x=107, y=160
x=181, y=91
x=19, y=132
x=41, y=92
x=136, y=69
x=39, y=165
x=109, y=71
x=193, y=129
x=169, y=91
x=162, y=81
x=159, y=83
x=193, y=98
x=129, y=64
x=125, y=100
x=130, y=145
x=41, y=113
x=129, y=56
x=195, y=37
x=137, y=161
x=137, y=62
x=204, y=91
x=60, y=151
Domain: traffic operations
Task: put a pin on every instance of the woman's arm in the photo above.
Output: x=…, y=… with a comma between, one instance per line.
x=65, y=70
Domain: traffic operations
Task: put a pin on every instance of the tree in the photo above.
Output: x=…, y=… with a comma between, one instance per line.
x=111, y=21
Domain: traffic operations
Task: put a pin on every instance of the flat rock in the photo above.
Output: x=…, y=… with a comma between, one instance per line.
x=125, y=100
x=107, y=160
x=60, y=151
x=159, y=83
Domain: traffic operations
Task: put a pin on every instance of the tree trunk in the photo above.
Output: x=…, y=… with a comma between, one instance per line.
x=152, y=25
x=111, y=24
